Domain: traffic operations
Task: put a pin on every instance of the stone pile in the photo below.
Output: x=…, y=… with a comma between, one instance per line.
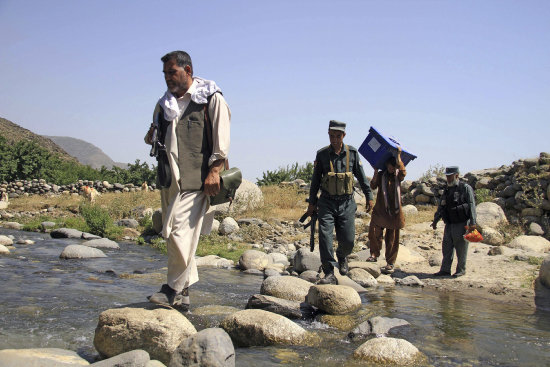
x=521, y=189
x=41, y=187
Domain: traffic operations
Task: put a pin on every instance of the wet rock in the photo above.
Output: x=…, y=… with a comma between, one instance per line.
x=411, y=280
x=25, y=242
x=385, y=280
x=387, y=351
x=372, y=268
x=4, y=250
x=102, y=243
x=214, y=261
x=134, y=358
x=66, y=233
x=260, y=328
x=530, y=243
x=362, y=277
x=254, y=272
x=544, y=272
x=283, y=307
x=228, y=226
x=81, y=252
x=208, y=348
x=286, y=287
x=345, y=280
x=377, y=325
x=305, y=260
x=309, y=275
x=490, y=215
x=334, y=299
x=253, y=259
x=43, y=357
x=340, y=322
x=88, y=236
x=127, y=222
x=158, y=331
x=5, y=240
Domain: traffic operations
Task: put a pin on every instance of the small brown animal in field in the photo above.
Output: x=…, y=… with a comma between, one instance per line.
x=90, y=193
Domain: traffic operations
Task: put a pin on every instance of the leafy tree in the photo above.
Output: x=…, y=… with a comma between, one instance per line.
x=288, y=173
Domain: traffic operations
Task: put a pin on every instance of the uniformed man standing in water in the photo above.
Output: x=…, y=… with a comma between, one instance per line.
x=335, y=167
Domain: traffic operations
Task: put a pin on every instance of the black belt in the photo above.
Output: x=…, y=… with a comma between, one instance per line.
x=344, y=197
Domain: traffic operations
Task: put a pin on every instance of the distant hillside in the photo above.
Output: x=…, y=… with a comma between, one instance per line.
x=14, y=133
x=85, y=152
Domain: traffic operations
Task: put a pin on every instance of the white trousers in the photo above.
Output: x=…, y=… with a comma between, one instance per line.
x=182, y=229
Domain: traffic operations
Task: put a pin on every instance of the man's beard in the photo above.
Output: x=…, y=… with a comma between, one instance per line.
x=453, y=182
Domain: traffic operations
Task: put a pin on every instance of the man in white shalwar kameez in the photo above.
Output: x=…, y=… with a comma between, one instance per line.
x=194, y=119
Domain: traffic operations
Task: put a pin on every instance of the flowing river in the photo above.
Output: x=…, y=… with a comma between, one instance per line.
x=49, y=302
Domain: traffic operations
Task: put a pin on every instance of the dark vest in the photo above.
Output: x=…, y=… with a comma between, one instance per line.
x=457, y=209
x=193, y=147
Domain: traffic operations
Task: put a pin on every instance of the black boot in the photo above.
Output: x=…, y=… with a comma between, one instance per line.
x=343, y=266
x=329, y=278
x=169, y=297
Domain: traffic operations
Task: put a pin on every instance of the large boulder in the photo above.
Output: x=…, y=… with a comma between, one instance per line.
x=286, y=287
x=409, y=210
x=280, y=306
x=214, y=261
x=544, y=272
x=362, y=277
x=334, y=299
x=490, y=215
x=406, y=255
x=530, y=243
x=12, y=225
x=134, y=358
x=158, y=331
x=248, y=196
x=4, y=250
x=66, y=233
x=492, y=237
x=43, y=357
x=5, y=240
x=260, y=328
x=306, y=260
x=228, y=226
x=387, y=351
x=253, y=259
x=207, y=348
x=81, y=252
x=102, y=243
x=372, y=268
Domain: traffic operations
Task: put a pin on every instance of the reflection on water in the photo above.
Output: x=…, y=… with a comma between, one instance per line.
x=49, y=302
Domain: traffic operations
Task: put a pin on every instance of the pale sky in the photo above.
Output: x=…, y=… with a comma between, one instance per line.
x=457, y=82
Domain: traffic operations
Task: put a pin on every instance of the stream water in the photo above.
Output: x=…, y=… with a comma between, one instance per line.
x=49, y=302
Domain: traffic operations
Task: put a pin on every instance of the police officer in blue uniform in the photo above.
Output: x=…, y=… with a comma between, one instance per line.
x=457, y=208
x=336, y=165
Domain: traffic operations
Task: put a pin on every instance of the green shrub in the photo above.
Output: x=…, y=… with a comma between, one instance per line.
x=483, y=195
x=288, y=173
x=97, y=219
x=214, y=244
x=438, y=170
x=159, y=244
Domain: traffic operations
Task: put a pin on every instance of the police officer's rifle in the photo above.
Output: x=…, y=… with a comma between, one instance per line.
x=312, y=223
x=156, y=146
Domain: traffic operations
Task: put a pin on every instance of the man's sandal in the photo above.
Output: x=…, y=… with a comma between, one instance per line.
x=388, y=269
x=372, y=259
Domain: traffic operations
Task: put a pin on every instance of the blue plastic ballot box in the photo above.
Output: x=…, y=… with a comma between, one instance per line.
x=377, y=149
